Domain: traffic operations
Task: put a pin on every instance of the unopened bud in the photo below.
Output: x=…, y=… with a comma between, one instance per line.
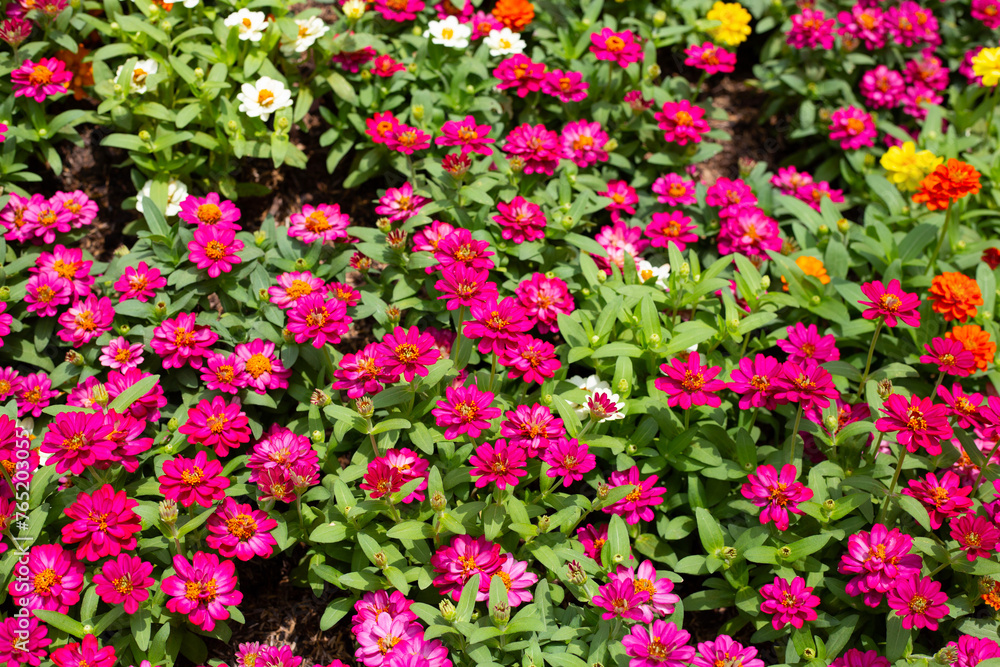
x=602, y=277
x=733, y=325
x=384, y=225
x=567, y=222
x=99, y=394
x=765, y=283
x=259, y=238
x=729, y=553
x=575, y=573
x=622, y=386
x=543, y=523
x=746, y=166
x=785, y=552
x=232, y=126
x=121, y=251
x=287, y=335
x=114, y=24
x=960, y=245
x=438, y=501
x=829, y=504
x=317, y=437
x=392, y=312
x=73, y=357
x=447, y=609
x=516, y=164
x=301, y=264
x=611, y=145
x=884, y=388
x=263, y=295
x=631, y=449
x=168, y=512
x=808, y=653
x=654, y=339
x=282, y=123
x=659, y=18
x=173, y=424
x=830, y=423
x=500, y=614
x=160, y=309
x=361, y=262
x=947, y=656
x=117, y=88
x=843, y=225
x=546, y=399
x=144, y=135
x=595, y=339
x=815, y=300
x=685, y=270
x=381, y=562
x=654, y=71
x=823, y=230
x=364, y=406
x=4, y=293
x=418, y=112
x=396, y=239
x=199, y=73
x=366, y=75
x=603, y=490
x=320, y=398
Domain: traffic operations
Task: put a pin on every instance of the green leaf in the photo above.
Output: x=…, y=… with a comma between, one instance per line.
x=709, y=531
x=896, y=639
x=617, y=548
x=410, y=530
x=61, y=621
x=463, y=611
x=915, y=509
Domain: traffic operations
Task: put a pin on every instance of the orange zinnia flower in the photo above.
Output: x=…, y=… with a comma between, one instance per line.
x=949, y=182
x=990, y=589
x=83, y=73
x=976, y=341
x=515, y=14
x=811, y=267
x=955, y=295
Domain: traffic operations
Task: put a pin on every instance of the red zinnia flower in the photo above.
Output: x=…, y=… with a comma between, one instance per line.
x=190, y=481
x=919, y=423
x=407, y=352
x=501, y=463
x=382, y=478
x=689, y=383
x=103, y=523
x=217, y=424
x=235, y=529
x=125, y=581
x=976, y=535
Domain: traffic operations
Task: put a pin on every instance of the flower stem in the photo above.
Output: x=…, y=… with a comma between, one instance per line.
x=493, y=370
x=986, y=464
x=790, y=445
x=687, y=419
x=932, y=265
x=329, y=365
x=457, y=345
x=938, y=383
x=753, y=419
x=892, y=485
x=939, y=568
x=586, y=427
x=868, y=362
x=372, y=436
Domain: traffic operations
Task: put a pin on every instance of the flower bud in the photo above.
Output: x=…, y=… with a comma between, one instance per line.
x=829, y=504
x=418, y=112
x=144, y=135
x=4, y=293
x=361, y=262
x=173, y=425
x=99, y=394
x=412, y=68
x=366, y=75
x=585, y=291
x=823, y=230
x=232, y=126
x=654, y=339
x=516, y=164
x=500, y=614
x=622, y=386
x=320, y=398
x=602, y=491
x=595, y=339
x=843, y=225
x=547, y=399
x=543, y=523
x=43, y=131
x=961, y=245
x=733, y=325
x=121, y=251
x=165, y=26
x=114, y=24
x=301, y=264
x=745, y=165
x=168, y=512
x=364, y=406
x=685, y=270
x=808, y=653
x=262, y=295
x=576, y=573
x=815, y=300
x=659, y=18
x=602, y=277
x=438, y=501
x=631, y=449
x=785, y=552
x=381, y=561
x=199, y=73
x=396, y=239
x=947, y=656
x=118, y=88
x=765, y=282
x=884, y=388
x=447, y=609
x=317, y=437
x=392, y=312
x=729, y=553
x=567, y=222
x=287, y=335
x=831, y=423
x=282, y=123
x=384, y=225
x=611, y=145
x=654, y=71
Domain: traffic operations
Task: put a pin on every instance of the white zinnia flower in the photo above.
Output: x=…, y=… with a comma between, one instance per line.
x=587, y=385
x=191, y=3
x=449, y=32
x=142, y=69
x=354, y=9
x=605, y=406
x=310, y=30
x=504, y=42
x=648, y=271
x=264, y=97
x=176, y=193
x=251, y=24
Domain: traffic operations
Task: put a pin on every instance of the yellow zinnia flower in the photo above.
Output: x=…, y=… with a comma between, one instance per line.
x=907, y=167
x=735, y=23
x=987, y=65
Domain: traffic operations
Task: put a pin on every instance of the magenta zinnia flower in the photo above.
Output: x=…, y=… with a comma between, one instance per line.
x=496, y=325
x=853, y=657
x=662, y=644
x=464, y=286
x=407, y=352
x=217, y=424
x=918, y=423
x=810, y=385
x=619, y=47
x=533, y=428
x=804, y=344
x=139, y=282
x=210, y=211
x=852, y=127
x=465, y=410
x=890, y=302
x=319, y=223
x=103, y=523
x=537, y=147
x=977, y=535
x=942, y=497
x=201, y=589
x=46, y=292
x=318, y=320
x=623, y=599
x=237, y=530
x=973, y=650
x=568, y=459
x=407, y=140
x=543, y=298
x=400, y=203
x=681, y=122
x=879, y=559
x=146, y=406
x=293, y=286
x=520, y=220
x=637, y=505
x=23, y=642
x=363, y=372
x=623, y=198
x=87, y=320
x=225, y=373
x=463, y=558
x=689, y=383
x=381, y=478
x=467, y=133
x=46, y=219
x=214, y=248
x=964, y=407
x=725, y=650
x=754, y=382
x=789, y=602
x=673, y=190
x=531, y=359
x=67, y=263
x=776, y=494
x=265, y=371
x=644, y=578
x=593, y=538
x=710, y=58
x=35, y=394
x=119, y=354
x=516, y=579
x=566, y=86
x=583, y=143
x=919, y=601
x=76, y=440
x=190, y=481
x=37, y=81
x=181, y=341
x=520, y=73
x=950, y=356
x=458, y=247
x=55, y=579
x=499, y=463
x=125, y=580
x=86, y=653
x=673, y=227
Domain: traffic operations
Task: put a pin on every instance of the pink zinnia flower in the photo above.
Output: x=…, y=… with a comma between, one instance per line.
x=593, y=538
x=385, y=66
x=920, y=602
x=46, y=219
x=23, y=642
x=201, y=589
x=865, y=23
x=853, y=657
x=67, y=263
x=318, y=320
x=916, y=100
x=214, y=248
x=87, y=320
x=662, y=644
x=458, y=247
x=688, y=383
x=776, y=494
x=623, y=198
x=76, y=440
x=380, y=125
x=520, y=220
x=644, y=578
x=55, y=579
x=465, y=410
x=10, y=382
x=754, y=381
x=85, y=653
x=217, y=424
x=516, y=579
x=789, y=602
x=237, y=530
x=496, y=325
x=463, y=286
x=483, y=23
x=977, y=535
x=400, y=203
x=35, y=395
x=566, y=86
x=408, y=464
x=891, y=303
x=673, y=227
x=467, y=133
x=681, y=122
x=381, y=478
x=710, y=58
x=879, y=559
x=344, y=292
x=529, y=358
x=500, y=463
x=804, y=344
x=621, y=598
x=749, y=232
x=210, y=211
x=139, y=282
x=119, y=354
x=13, y=217
x=882, y=87
x=399, y=10
x=950, y=356
x=918, y=423
x=293, y=286
x=725, y=650
x=789, y=180
x=81, y=207
x=987, y=11
x=521, y=73
x=730, y=196
x=973, y=650
x=568, y=459
x=146, y=406
x=407, y=352
x=385, y=639
x=125, y=580
x=583, y=143
x=37, y=81
x=852, y=127
x=619, y=47
x=265, y=371
x=190, y=481
x=538, y=148
x=543, y=299
x=942, y=496
x=637, y=505
x=673, y=190
x=104, y=523
x=407, y=140
x=363, y=372
x=319, y=223
x=226, y=373
x=463, y=558
x=533, y=428
x=181, y=340
x=46, y=292
x=808, y=384
x=964, y=407
x=909, y=24
x=619, y=240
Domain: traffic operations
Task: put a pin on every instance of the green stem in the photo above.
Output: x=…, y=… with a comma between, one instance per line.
x=790, y=446
x=545, y=494
x=328, y=362
x=932, y=265
x=456, y=346
x=586, y=427
x=753, y=419
x=892, y=485
x=372, y=436
x=493, y=370
x=939, y=568
x=743, y=348
x=937, y=384
x=298, y=510
x=982, y=473
x=687, y=419
x=868, y=362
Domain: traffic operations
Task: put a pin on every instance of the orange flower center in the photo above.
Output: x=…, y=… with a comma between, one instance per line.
x=40, y=75
x=242, y=526
x=208, y=214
